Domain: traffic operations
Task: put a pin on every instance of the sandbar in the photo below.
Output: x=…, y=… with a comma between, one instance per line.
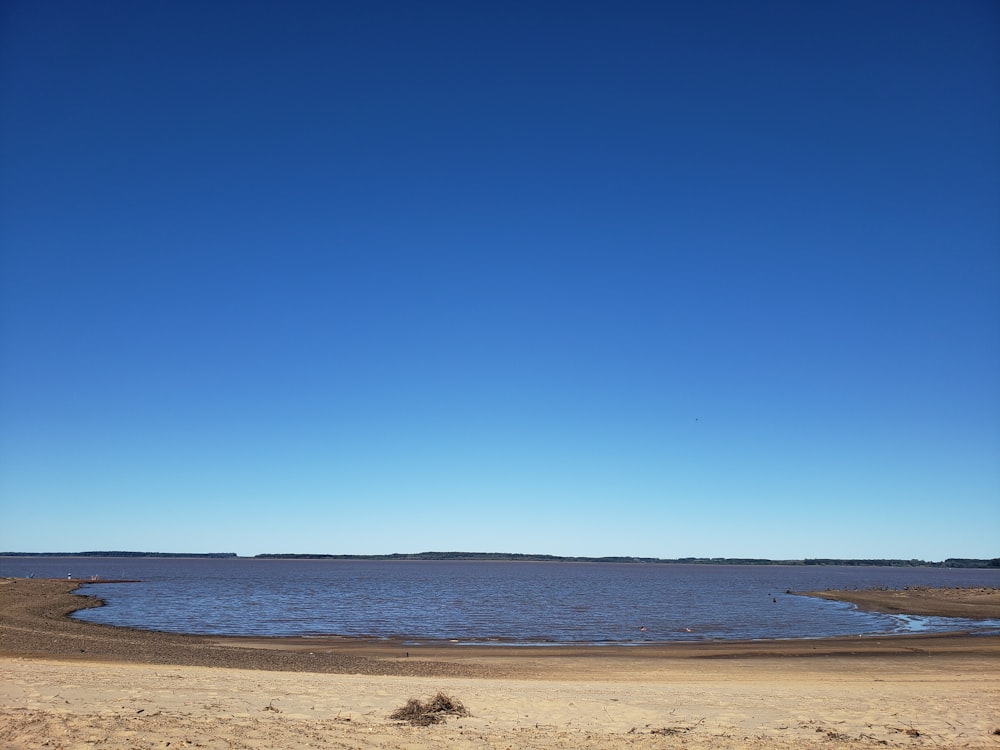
x=973, y=602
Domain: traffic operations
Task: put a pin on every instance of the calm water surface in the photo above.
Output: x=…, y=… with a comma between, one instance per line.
x=491, y=602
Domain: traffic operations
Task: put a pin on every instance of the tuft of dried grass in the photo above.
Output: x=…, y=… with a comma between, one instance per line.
x=424, y=713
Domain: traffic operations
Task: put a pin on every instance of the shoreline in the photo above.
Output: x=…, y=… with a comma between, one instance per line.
x=969, y=602
x=36, y=623
x=71, y=683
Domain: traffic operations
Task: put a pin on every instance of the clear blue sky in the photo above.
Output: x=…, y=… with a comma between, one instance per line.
x=596, y=278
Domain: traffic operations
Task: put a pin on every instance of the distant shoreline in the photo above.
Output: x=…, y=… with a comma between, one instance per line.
x=978, y=563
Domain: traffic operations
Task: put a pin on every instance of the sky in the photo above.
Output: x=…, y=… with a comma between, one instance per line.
x=661, y=279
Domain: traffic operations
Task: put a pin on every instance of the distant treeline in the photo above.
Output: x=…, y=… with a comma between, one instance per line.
x=952, y=562
x=117, y=553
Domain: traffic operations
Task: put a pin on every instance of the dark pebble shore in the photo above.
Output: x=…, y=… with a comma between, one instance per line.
x=34, y=622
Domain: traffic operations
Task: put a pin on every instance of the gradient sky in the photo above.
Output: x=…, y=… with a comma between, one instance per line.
x=583, y=278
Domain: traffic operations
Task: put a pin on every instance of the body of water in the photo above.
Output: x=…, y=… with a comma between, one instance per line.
x=492, y=602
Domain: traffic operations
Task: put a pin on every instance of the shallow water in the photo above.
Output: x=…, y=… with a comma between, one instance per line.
x=493, y=602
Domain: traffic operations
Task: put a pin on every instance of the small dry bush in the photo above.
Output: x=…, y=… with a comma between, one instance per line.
x=434, y=711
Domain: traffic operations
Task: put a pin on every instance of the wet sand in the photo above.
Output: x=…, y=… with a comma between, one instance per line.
x=71, y=683
x=974, y=602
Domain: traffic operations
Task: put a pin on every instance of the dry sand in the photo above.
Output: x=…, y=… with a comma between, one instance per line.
x=67, y=684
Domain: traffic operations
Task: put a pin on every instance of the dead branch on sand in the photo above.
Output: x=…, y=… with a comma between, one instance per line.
x=434, y=711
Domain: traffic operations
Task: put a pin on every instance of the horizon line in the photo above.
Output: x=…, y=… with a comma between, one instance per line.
x=513, y=556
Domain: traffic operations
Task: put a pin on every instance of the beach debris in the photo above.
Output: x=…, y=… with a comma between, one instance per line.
x=423, y=714
x=872, y=739
x=671, y=731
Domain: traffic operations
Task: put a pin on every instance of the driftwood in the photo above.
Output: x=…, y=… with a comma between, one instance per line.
x=422, y=714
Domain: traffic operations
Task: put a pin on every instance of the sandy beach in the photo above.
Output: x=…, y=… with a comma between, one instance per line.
x=72, y=684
